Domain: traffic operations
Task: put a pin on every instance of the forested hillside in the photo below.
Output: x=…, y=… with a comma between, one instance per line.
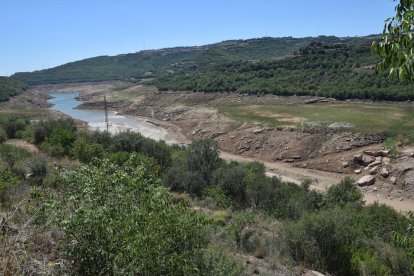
x=10, y=87
x=151, y=63
x=331, y=70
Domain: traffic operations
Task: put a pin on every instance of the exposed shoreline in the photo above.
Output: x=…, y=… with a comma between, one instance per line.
x=197, y=121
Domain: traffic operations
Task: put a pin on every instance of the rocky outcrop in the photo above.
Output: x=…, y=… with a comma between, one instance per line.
x=366, y=180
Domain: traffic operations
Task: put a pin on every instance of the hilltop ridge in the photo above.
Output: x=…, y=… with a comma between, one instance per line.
x=151, y=63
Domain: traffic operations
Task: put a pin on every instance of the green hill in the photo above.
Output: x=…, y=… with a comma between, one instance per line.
x=151, y=63
x=341, y=70
x=10, y=87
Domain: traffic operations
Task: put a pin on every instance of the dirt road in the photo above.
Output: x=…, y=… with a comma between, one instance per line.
x=320, y=180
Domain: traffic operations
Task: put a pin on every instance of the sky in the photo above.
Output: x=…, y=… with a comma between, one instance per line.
x=39, y=34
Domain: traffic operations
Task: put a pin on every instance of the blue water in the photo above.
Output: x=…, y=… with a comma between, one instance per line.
x=65, y=102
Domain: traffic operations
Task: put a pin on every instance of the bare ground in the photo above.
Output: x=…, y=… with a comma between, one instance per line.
x=290, y=153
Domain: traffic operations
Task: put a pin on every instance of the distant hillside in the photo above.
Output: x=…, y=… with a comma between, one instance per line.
x=10, y=87
x=146, y=64
x=341, y=70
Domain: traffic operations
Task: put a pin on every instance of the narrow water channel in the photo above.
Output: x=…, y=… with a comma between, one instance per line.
x=66, y=102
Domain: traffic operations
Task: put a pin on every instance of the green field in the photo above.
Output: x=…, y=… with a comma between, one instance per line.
x=391, y=119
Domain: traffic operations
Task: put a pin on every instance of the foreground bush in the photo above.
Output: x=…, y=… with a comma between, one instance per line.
x=7, y=181
x=353, y=240
x=119, y=220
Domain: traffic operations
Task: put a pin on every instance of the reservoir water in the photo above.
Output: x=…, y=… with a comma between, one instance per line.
x=65, y=102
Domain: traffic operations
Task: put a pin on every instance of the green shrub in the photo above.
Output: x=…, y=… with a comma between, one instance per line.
x=237, y=225
x=38, y=166
x=3, y=135
x=86, y=152
x=216, y=263
x=216, y=194
x=118, y=220
x=343, y=193
x=11, y=154
x=364, y=262
x=7, y=180
x=319, y=240
x=231, y=179
x=135, y=142
x=13, y=125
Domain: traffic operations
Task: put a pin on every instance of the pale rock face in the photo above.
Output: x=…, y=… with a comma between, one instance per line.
x=366, y=180
x=374, y=170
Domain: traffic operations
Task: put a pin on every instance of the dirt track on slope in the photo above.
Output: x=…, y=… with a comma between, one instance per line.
x=321, y=180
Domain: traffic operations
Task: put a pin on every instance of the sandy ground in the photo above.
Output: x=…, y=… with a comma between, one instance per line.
x=23, y=145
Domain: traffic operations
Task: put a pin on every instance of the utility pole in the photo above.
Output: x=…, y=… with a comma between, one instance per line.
x=106, y=115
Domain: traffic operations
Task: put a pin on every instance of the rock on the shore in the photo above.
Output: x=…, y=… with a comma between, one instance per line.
x=374, y=170
x=358, y=157
x=384, y=172
x=366, y=180
x=367, y=159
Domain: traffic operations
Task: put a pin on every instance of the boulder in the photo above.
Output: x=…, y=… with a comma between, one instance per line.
x=374, y=153
x=374, y=170
x=384, y=172
x=367, y=159
x=345, y=164
x=385, y=152
x=358, y=171
x=289, y=160
x=358, y=157
x=393, y=179
x=375, y=163
x=366, y=180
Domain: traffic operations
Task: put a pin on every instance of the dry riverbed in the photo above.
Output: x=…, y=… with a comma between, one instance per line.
x=294, y=152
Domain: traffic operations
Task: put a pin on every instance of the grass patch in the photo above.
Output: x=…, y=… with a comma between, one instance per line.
x=392, y=119
x=33, y=113
x=244, y=114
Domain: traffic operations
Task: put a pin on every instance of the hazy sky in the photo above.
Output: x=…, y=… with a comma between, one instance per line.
x=38, y=34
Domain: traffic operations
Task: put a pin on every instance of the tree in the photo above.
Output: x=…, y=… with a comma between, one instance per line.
x=397, y=45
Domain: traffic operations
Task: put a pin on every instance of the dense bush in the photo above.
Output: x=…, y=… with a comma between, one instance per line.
x=348, y=240
x=11, y=154
x=86, y=152
x=10, y=87
x=343, y=193
x=119, y=220
x=38, y=166
x=13, y=125
x=7, y=181
x=192, y=170
x=135, y=142
x=55, y=136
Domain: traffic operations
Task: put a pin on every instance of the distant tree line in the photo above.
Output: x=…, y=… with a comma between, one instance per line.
x=331, y=70
x=10, y=87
